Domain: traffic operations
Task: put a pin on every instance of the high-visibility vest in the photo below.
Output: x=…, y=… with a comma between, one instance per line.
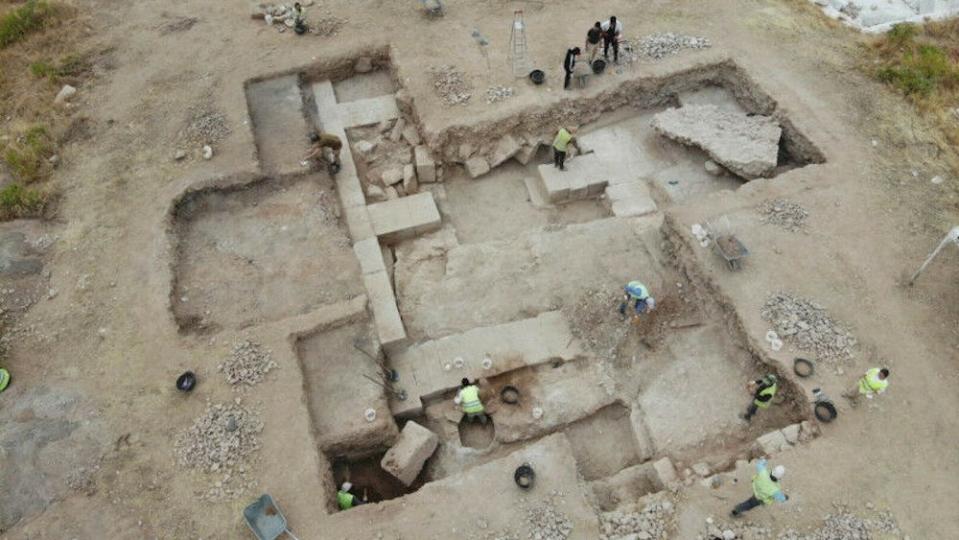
x=345, y=499
x=768, y=391
x=637, y=291
x=764, y=488
x=870, y=383
x=469, y=399
x=562, y=139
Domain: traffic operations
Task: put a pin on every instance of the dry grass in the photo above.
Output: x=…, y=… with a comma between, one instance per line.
x=922, y=63
x=39, y=44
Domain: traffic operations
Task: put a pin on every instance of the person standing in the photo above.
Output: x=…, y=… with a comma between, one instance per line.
x=569, y=64
x=766, y=488
x=612, y=33
x=765, y=391
x=564, y=138
x=593, y=35
x=638, y=295
x=873, y=383
x=468, y=398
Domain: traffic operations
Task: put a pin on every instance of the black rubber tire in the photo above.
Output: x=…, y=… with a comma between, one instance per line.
x=804, y=368
x=825, y=411
x=524, y=476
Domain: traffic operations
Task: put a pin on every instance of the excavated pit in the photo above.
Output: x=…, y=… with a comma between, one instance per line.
x=259, y=251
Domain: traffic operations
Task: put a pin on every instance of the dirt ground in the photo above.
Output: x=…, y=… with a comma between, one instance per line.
x=86, y=427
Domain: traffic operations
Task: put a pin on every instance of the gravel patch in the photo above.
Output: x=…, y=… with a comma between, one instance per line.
x=785, y=214
x=657, y=46
x=545, y=522
x=206, y=127
x=222, y=443
x=451, y=85
x=842, y=524
x=247, y=364
x=808, y=327
x=498, y=93
x=651, y=523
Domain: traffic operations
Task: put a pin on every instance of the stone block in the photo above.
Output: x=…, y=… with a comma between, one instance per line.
x=404, y=218
x=392, y=176
x=405, y=459
x=465, y=152
x=386, y=316
x=791, y=433
x=663, y=474
x=630, y=200
x=368, y=253
x=477, y=166
x=375, y=194
x=368, y=111
x=359, y=224
x=411, y=135
x=349, y=189
x=425, y=166
x=701, y=469
x=391, y=193
x=526, y=153
x=772, y=442
x=506, y=148
x=556, y=183
x=397, y=132
x=409, y=178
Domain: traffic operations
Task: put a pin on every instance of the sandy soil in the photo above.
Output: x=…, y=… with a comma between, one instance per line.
x=108, y=348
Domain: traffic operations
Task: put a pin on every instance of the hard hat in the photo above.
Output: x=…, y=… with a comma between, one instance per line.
x=779, y=471
x=346, y=486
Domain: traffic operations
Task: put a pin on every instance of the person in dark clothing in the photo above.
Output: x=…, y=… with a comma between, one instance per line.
x=569, y=63
x=593, y=35
x=612, y=32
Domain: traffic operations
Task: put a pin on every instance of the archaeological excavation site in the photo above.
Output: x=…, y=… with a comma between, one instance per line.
x=408, y=271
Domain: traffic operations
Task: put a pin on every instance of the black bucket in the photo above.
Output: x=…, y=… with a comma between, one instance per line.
x=537, y=76
x=804, y=368
x=599, y=66
x=825, y=411
x=186, y=381
x=524, y=476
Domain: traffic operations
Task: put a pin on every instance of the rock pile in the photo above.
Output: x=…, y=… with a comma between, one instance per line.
x=221, y=441
x=649, y=524
x=498, y=93
x=451, y=85
x=658, y=46
x=247, y=365
x=546, y=522
x=786, y=214
x=206, y=126
x=845, y=525
x=808, y=327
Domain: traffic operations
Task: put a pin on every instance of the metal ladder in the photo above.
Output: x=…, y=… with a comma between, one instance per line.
x=519, y=53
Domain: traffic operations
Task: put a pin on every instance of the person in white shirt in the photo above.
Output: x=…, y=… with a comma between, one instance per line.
x=612, y=33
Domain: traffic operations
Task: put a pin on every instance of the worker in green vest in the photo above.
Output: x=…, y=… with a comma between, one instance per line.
x=468, y=398
x=766, y=488
x=4, y=379
x=873, y=383
x=763, y=391
x=564, y=138
x=637, y=294
x=345, y=499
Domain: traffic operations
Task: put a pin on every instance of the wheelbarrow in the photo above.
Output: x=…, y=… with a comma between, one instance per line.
x=731, y=250
x=264, y=518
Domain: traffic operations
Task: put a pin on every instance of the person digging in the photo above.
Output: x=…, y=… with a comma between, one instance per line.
x=564, y=138
x=325, y=147
x=468, y=398
x=347, y=500
x=766, y=488
x=637, y=295
x=763, y=391
x=870, y=385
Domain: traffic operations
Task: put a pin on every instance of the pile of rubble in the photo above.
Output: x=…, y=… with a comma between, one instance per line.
x=786, y=214
x=247, y=365
x=498, y=93
x=206, y=126
x=451, y=85
x=282, y=15
x=649, y=524
x=808, y=327
x=596, y=323
x=658, y=46
x=221, y=441
x=847, y=526
x=546, y=522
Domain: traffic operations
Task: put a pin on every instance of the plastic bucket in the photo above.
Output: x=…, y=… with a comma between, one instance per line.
x=537, y=76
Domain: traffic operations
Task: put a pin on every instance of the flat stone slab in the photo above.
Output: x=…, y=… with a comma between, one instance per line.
x=430, y=369
x=746, y=145
x=585, y=175
x=405, y=217
x=386, y=316
x=405, y=459
x=630, y=200
x=368, y=111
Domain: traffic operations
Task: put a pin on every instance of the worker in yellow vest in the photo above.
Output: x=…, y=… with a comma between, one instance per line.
x=766, y=488
x=564, y=138
x=468, y=398
x=763, y=390
x=4, y=379
x=873, y=383
x=345, y=499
